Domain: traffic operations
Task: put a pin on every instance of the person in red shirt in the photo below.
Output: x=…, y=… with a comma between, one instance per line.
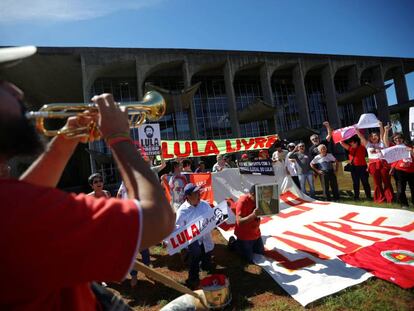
x=403, y=171
x=359, y=171
x=54, y=244
x=247, y=230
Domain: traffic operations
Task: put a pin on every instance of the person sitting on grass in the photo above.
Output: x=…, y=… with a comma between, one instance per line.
x=247, y=231
x=326, y=166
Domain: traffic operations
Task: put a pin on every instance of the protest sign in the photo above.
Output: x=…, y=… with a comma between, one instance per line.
x=367, y=120
x=343, y=133
x=197, y=228
x=395, y=153
x=150, y=138
x=267, y=199
x=260, y=167
x=201, y=148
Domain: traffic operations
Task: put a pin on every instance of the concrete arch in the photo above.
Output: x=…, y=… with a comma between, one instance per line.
x=207, y=67
x=163, y=66
x=114, y=69
x=283, y=67
x=388, y=71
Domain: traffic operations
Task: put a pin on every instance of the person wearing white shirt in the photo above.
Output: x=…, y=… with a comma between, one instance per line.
x=326, y=165
x=291, y=165
x=200, y=250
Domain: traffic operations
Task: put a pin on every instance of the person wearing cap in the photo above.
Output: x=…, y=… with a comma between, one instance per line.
x=291, y=165
x=263, y=154
x=72, y=239
x=221, y=164
x=247, y=230
x=244, y=157
x=199, y=251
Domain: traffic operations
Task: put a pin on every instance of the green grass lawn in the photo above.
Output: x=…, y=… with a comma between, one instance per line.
x=253, y=289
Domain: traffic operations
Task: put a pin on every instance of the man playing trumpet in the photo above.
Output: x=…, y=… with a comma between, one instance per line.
x=55, y=243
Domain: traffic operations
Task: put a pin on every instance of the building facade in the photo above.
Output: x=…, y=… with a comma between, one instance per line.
x=304, y=89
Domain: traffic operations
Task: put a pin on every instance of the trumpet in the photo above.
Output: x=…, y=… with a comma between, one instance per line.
x=151, y=108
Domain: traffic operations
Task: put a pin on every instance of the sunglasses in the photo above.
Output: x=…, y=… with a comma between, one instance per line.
x=97, y=181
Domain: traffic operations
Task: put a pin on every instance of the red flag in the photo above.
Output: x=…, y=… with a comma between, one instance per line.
x=343, y=134
x=391, y=260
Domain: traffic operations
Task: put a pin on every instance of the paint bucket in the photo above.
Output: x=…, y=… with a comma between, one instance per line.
x=216, y=289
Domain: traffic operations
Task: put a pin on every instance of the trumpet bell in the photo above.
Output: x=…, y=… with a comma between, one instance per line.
x=151, y=108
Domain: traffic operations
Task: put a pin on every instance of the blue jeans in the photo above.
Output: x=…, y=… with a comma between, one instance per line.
x=309, y=178
x=248, y=247
x=196, y=255
x=145, y=254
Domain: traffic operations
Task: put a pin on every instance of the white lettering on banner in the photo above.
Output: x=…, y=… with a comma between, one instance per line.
x=182, y=237
x=396, y=153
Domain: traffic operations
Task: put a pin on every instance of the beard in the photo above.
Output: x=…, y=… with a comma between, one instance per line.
x=18, y=137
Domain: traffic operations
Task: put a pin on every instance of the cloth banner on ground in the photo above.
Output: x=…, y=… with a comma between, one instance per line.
x=201, y=148
x=303, y=241
x=261, y=167
x=184, y=236
x=391, y=260
x=396, y=153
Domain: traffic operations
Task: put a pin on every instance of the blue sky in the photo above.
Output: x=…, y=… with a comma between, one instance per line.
x=368, y=27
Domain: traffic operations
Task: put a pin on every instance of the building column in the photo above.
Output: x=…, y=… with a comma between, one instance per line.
x=381, y=97
x=231, y=99
x=86, y=97
x=140, y=80
x=301, y=99
x=330, y=95
x=265, y=82
x=401, y=90
x=353, y=84
x=191, y=112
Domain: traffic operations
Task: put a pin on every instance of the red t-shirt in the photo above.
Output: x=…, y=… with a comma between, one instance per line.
x=358, y=154
x=54, y=243
x=250, y=230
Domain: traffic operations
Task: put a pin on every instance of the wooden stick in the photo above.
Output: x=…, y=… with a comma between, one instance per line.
x=153, y=274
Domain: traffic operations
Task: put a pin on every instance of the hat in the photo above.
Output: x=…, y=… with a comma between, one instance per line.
x=9, y=56
x=291, y=145
x=190, y=188
x=244, y=156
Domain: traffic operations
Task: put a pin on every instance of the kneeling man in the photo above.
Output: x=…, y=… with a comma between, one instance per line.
x=200, y=250
x=247, y=229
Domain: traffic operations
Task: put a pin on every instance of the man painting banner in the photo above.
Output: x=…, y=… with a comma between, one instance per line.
x=184, y=236
x=150, y=138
